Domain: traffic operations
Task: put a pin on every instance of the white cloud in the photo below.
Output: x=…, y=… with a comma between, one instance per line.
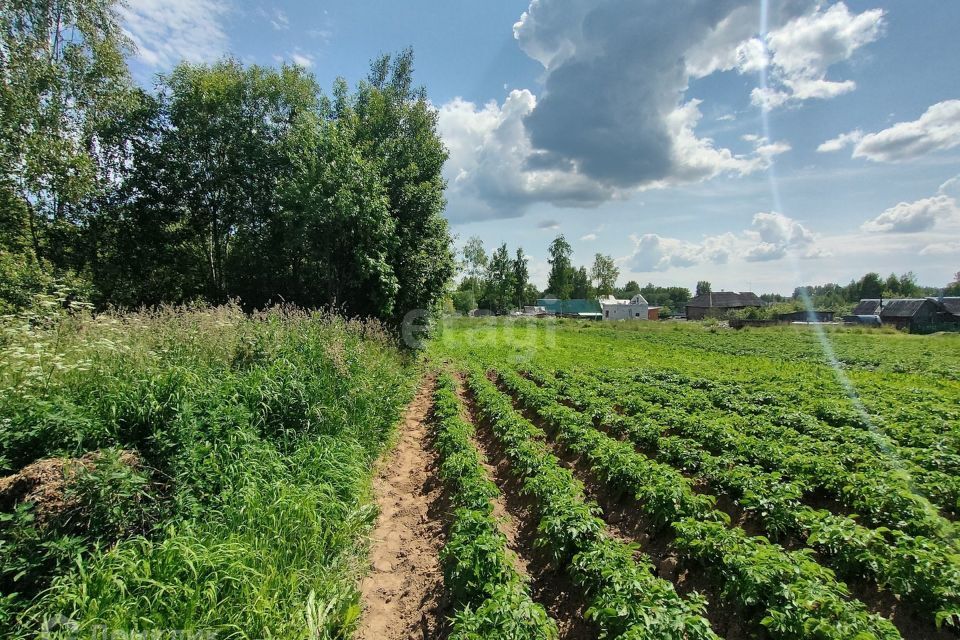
x=613, y=116
x=494, y=170
x=302, y=59
x=778, y=229
x=804, y=40
x=279, y=20
x=169, y=31
x=771, y=236
x=941, y=249
x=841, y=141
x=763, y=252
x=802, y=51
x=938, y=129
x=590, y=237
x=911, y=217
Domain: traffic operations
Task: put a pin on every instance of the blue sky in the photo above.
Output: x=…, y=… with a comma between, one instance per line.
x=687, y=139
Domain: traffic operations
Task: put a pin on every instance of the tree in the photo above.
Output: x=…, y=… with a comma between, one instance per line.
x=499, y=282
x=61, y=73
x=475, y=261
x=703, y=288
x=464, y=301
x=521, y=278
x=397, y=131
x=580, y=284
x=530, y=294
x=953, y=289
x=870, y=286
x=907, y=285
x=891, y=288
x=629, y=290
x=559, y=282
x=604, y=274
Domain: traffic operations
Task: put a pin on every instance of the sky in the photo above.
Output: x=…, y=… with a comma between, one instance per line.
x=757, y=144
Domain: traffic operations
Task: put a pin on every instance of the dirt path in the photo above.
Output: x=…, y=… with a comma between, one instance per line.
x=403, y=594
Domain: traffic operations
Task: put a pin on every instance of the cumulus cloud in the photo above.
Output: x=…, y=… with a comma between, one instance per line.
x=168, y=31
x=548, y=224
x=941, y=249
x=487, y=170
x=771, y=236
x=613, y=106
x=302, y=59
x=802, y=51
x=780, y=230
x=590, y=237
x=614, y=116
x=938, y=129
x=803, y=41
x=920, y=215
x=841, y=141
x=911, y=217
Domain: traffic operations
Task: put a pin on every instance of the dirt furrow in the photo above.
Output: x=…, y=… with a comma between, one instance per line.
x=402, y=595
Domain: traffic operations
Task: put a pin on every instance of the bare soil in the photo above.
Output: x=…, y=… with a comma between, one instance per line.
x=402, y=595
x=44, y=483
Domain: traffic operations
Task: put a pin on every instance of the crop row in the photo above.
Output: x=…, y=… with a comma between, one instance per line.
x=921, y=569
x=879, y=492
x=626, y=600
x=816, y=426
x=489, y=596
x=800, y=598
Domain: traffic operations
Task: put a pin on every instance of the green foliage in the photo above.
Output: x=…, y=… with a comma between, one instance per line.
x=703, y=287
x=625, y=598
x=464, y=301
x=490, y=597
x=560, y=281
x=64, y=72
x=244, y=429
x=604, y=274
x=683, y=421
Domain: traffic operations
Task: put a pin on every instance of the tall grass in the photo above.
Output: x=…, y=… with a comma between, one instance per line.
x=258, y=435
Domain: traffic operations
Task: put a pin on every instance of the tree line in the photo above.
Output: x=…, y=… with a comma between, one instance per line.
x=500, y=283
x=225, y=181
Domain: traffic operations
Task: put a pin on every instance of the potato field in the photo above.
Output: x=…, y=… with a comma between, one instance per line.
x=677, y=481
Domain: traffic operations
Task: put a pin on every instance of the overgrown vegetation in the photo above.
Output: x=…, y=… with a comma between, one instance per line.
x=228, y=484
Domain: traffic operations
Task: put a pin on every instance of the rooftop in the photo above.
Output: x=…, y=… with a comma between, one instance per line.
x=726, y=299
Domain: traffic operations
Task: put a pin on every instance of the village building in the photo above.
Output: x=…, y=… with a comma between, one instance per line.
x=912, y=314
x=806, y=316
x=721, y=303
x=636, y=308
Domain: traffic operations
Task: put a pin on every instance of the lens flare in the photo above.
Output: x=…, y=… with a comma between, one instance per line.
x=880, y=439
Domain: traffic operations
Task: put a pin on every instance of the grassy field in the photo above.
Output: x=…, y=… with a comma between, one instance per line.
x=191, y=469
x=699, y=482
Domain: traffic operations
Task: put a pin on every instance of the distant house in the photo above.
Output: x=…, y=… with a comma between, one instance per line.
x=530, y=310
x=909, y=313
x=868, y=307
x=806, y=316
x=636, y=308
x=719, y=304
x=574, y=308
x=949, y=309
